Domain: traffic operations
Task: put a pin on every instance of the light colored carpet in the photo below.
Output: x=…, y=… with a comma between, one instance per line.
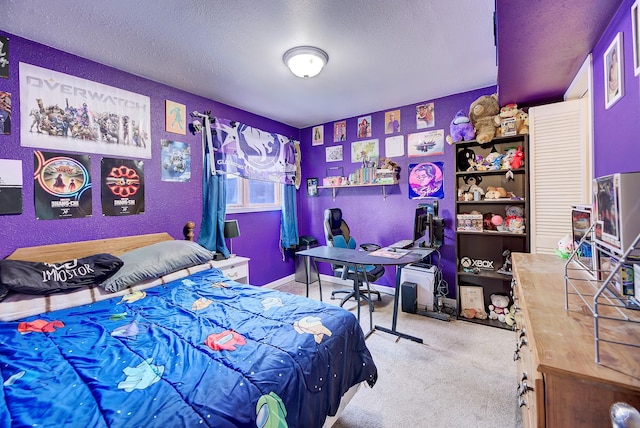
x=462, y=376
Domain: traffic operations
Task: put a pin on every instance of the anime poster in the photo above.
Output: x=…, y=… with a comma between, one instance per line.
x=364, y=127
x=318, y=135
x=122, y=186
x=4, y=57
x=63, y=112
x=425, y=116
x=364, y=151
x=10, y=186
x=425, y=143
x=392, y=121
x=339, y=131
x=176, y=161
x=5, y=113
x=426, y=180
x=62, y=186
x=175, y=117
x=251, y=153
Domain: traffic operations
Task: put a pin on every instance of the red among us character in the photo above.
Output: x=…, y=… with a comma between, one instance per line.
x=226, y=340
x=123, y=181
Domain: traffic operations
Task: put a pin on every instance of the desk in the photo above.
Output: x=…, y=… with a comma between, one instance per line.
x=358, y=260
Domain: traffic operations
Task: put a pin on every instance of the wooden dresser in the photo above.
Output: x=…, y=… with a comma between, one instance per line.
x=559, y=382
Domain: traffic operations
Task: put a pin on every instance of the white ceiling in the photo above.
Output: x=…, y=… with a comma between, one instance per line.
x=382, y=54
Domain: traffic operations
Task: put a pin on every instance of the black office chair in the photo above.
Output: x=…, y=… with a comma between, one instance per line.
x=338, y=235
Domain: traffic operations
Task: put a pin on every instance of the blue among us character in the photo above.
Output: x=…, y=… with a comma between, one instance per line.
x=270, y=412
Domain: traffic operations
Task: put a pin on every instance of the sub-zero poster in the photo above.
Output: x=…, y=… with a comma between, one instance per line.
x=122, y=187
x=62, y=185
x=63, y=112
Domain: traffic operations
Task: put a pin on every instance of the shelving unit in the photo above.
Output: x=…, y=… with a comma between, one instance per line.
x=484, y=249
x=384, y=191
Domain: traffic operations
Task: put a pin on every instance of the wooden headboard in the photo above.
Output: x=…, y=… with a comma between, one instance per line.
x=56, y=253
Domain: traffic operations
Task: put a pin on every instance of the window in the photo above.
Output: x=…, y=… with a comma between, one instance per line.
x=245, y=195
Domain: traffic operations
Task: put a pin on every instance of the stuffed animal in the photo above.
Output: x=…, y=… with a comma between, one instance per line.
x=461, y=128
x=514, y=218
x=510, y=317
x=565, y=247
x=482, y=114
x=464, y=159
x=471, y=184
x=522, y=122
x=498, y=309
x=518, y=158
x=495, y=193
x=509, y=110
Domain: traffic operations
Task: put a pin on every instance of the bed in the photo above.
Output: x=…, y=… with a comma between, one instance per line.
x=182, y=346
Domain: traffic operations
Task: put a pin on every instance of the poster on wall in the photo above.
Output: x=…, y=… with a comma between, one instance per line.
x=425, y=116
x=10, y=186
x=392, y=120
x=176, y=161
x=5, y=113
x=318, y=135
x=426, y=143
x=613, y=72
x=64, y=112
x=62, y=185
x=333, y=153
x=364, y=151
x=340, y=131
x=122, y=186
x=175, y=117
x=4, y=57
x=426, y=180
x=364, y=127
x=394, y=146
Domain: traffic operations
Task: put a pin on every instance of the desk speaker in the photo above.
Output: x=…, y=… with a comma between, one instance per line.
x=409, y=294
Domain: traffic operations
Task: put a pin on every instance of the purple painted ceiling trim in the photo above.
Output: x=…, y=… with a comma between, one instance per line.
x=542, y=44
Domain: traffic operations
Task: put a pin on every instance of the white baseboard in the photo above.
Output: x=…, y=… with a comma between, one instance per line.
x=278, y=282
x=328, y=278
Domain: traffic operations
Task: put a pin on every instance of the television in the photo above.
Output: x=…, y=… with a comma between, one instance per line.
x=616, y=204
x=428, y=227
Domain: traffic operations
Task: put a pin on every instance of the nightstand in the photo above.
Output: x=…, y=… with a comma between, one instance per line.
x=236, y=268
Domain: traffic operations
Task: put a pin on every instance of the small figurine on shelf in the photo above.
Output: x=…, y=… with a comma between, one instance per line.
x=518, y=158
x=505, y=269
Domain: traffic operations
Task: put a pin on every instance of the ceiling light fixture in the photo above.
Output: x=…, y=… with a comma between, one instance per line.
x=305, y=61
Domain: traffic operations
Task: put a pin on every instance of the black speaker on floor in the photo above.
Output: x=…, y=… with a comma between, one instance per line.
x=409, y=292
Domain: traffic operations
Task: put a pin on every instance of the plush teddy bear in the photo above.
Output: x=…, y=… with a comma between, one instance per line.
x=471, y=186
x=498, y=309
x=461, y=128
x=514, y=218
x=522, y=122
x=482, y=114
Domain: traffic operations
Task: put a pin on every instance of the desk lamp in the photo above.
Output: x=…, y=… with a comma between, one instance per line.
x=231, y=230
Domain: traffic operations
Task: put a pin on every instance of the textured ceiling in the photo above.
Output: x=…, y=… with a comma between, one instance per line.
x=381, y=54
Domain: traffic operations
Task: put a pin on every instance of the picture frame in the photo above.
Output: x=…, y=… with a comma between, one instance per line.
x=471, y=297
x=318, y=135
x=175, y=117
x=613, y=72
x=635, y=17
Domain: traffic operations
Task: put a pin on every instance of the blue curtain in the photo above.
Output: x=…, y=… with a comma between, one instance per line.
x=289, y=219
x=214, y=197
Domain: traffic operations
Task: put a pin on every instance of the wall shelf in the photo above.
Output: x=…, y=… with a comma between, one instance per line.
x=383, y=186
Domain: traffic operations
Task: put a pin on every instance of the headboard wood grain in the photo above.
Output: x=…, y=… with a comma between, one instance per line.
x=56, y=253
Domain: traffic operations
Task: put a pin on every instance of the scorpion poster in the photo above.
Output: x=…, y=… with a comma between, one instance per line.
x=62, y=186
x=122, y=187
x=63, y=112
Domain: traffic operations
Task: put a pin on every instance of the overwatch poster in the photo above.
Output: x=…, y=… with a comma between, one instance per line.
x=62, y=186
x=122, y=187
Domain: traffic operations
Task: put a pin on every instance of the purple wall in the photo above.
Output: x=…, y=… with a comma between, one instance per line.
x=616, y=130
x=168, y=205
x=370, y=217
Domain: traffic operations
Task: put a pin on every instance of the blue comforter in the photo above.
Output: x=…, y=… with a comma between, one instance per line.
x=200, y=351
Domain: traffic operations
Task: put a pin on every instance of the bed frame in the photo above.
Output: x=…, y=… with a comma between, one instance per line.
x=56, y=253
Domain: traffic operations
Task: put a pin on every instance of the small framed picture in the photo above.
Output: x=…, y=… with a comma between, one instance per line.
x=508, y=126
x=312, y=187
x=635, y=17
x=472, y=297
x=613, y=75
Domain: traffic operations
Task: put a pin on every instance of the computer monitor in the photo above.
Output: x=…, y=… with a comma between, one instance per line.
x=428, y=227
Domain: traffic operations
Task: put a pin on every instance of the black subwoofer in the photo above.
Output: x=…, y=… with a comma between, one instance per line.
x=409, y=293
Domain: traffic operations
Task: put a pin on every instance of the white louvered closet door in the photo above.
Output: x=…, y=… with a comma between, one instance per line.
x=560, y=170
